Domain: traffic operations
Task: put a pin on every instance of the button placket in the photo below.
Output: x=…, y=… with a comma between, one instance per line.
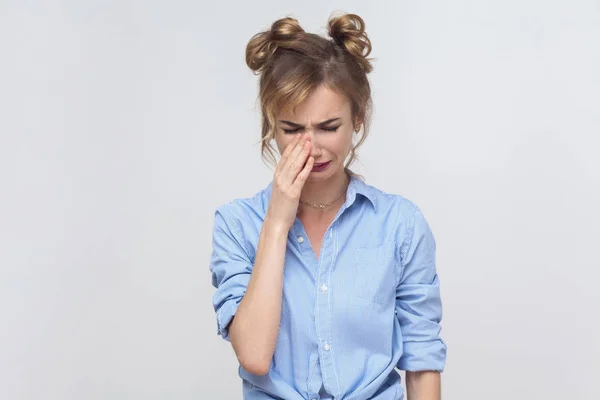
x=322, y=311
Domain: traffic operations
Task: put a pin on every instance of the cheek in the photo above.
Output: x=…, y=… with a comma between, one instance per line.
x=343, y=144
x=282, y=142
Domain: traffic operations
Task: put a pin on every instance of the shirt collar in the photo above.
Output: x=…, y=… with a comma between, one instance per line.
x=356, y=187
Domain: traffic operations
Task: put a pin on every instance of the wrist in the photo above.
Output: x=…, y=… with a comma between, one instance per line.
x=275, y=226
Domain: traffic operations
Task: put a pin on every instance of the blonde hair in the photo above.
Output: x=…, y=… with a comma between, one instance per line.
x=292, y=63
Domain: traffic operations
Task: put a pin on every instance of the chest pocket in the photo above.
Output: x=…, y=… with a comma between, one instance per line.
x=376, y=273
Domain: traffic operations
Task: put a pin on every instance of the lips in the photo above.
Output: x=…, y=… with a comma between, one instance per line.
x=320, y=166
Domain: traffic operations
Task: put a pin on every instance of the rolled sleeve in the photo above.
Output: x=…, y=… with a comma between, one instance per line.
x=418, y=301
x=230, y=267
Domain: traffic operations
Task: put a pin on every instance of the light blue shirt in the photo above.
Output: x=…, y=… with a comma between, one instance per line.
x=369, y=303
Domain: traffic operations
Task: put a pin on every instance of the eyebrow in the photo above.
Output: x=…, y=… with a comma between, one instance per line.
x=300, y=126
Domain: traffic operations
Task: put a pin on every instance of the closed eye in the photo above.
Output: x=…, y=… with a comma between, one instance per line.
x=292, y=131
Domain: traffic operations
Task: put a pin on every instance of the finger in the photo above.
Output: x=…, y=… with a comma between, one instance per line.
x=297, y=149
x=290, y=148
x=297, y=160
x=303, y=175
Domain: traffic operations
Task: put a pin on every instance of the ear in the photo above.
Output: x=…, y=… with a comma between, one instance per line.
x=357, y=122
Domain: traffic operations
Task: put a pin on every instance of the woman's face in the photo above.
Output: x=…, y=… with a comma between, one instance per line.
x=326, y=116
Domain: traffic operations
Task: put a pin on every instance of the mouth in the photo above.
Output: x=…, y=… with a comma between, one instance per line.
x=318, y=167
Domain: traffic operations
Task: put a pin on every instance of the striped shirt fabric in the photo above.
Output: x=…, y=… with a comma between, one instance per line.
x=368, y=304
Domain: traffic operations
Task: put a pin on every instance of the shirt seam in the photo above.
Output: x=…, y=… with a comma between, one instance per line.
x=408, y=237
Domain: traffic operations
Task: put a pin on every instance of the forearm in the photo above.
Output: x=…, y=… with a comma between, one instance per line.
x=254, y=328
x=423, y=385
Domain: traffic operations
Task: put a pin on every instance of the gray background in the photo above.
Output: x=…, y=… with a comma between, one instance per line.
x=124, y=124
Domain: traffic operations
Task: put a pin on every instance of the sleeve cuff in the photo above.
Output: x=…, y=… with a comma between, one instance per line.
x=423, y=356
x=225, y=315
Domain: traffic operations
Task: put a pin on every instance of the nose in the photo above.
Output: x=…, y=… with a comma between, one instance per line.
x=315, y=149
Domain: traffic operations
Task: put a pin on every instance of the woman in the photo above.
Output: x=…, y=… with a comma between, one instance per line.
x=324, y=283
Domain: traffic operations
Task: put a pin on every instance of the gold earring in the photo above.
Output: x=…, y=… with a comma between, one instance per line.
x=358, y=129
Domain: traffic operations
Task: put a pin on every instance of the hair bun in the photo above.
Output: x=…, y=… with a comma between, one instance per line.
x=286, y=29
x=348, y=31
x=262, y=46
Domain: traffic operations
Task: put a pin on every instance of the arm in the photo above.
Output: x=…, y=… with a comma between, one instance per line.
x=255, y=327
x=423, y=385
x=248, y=297
x=419, y=311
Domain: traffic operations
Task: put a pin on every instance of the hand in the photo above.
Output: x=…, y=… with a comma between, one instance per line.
x=289, y=178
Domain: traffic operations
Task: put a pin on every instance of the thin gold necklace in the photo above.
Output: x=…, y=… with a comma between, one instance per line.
x=321, y=205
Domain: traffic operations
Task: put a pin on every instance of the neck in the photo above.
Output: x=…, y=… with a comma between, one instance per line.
x=324, y=192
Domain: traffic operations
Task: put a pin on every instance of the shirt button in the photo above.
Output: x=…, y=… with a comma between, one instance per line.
x=324, y=288
x=300, y=239
x=326, y=346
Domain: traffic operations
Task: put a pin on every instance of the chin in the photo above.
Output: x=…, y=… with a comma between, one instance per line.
x=315, y=177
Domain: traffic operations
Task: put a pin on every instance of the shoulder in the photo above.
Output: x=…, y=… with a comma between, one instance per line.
x=406, y=220
x=242, y=219
x=393, y=204
x=398, y=212
x=243, y=216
